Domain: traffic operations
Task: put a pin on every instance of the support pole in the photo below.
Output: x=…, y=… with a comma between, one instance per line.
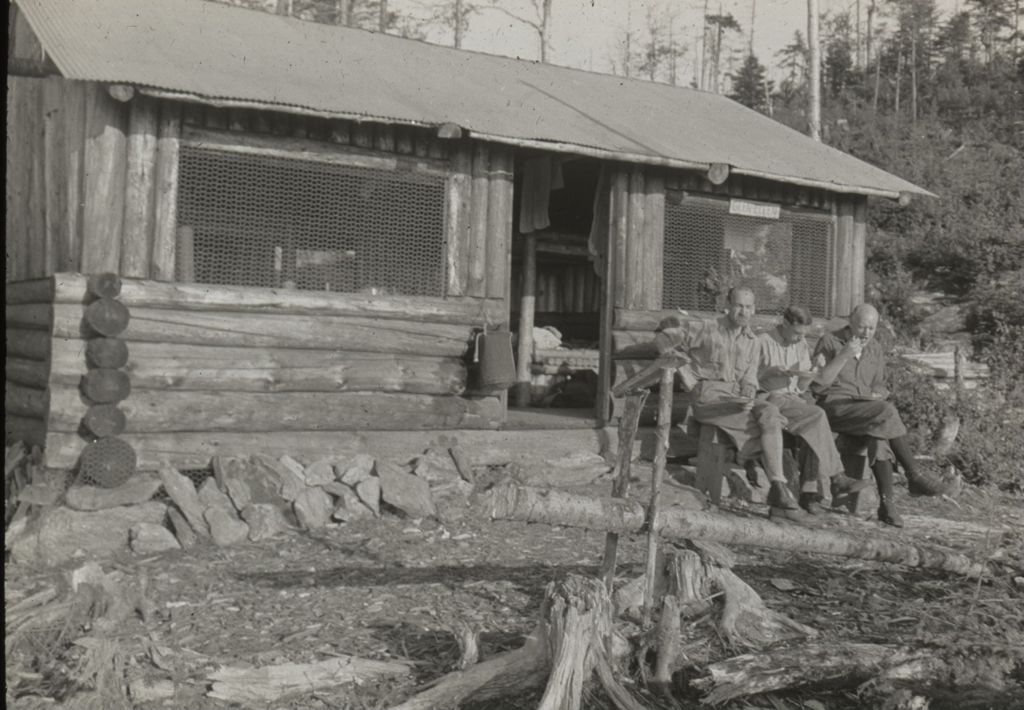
x=527, y=303
x=657, y=474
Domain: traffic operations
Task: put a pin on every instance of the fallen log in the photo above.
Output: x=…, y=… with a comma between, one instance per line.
x=511, y=501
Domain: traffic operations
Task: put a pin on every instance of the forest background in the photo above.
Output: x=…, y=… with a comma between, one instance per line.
x=933, y=95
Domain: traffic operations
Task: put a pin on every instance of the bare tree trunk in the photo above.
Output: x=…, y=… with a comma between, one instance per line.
x=545, y=29
x=458, y=24
x=702, y=83
x=899, y=75
x=913, y=76
x=814, y=72
x=871, y=19
x=878, y=81
x=753, y=15
x=284, y=7
x=382, y=17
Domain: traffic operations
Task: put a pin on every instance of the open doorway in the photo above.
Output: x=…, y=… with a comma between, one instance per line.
x=553, y=261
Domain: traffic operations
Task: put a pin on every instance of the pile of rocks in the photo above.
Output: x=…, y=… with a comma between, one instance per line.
x=251, y=499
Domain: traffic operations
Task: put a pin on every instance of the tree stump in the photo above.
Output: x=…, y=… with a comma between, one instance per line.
x=106, y=352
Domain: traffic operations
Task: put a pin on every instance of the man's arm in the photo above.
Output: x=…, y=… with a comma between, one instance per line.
x=836, y=356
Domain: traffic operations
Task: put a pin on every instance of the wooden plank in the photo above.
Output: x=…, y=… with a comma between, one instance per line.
x=481, y=446
x=340, y=132
x=477, y=245
x=606, y=299
x=527, y=308
x=627, y=319
x=165, y=208
x=71, y=288
x=156, y=325
x=136, y=247
x=74, y=180
x=844, y=230
x=55, y=174
x=859, y=258
x=26, y=401
x=18, y=182
x=499, y=222
x=104, y=181
x=34, y=136
x=654, y=228
x=31, y=344
x=618, y=235
x=458, y=224
x=403, y=140
x=214, y=368
x=31, y=291
x=384, y=138
x=31, y=316
x=313, y=150
x=30, y=373
x=151, y=411
x=636, y=240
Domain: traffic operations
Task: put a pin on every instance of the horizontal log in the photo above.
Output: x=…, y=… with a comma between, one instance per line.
x=195, y=449
x=105, y=385
x=71, y=288
x=257, y=330
x=106, y=316
x=31, y=316
x=31, y=373
x=31, y=291
x=99, y=352
x=30, y=430
x=510, y=501
x=29, y=344
x=26, y=401
x=104, y=420
x=634, y=320
x=167, y=410
x=213, y=369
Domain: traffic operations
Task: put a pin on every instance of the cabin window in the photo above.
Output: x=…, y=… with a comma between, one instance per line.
x=267, y=219
x=784, y=256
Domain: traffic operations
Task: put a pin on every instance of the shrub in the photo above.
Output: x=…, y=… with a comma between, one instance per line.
x=989, y=449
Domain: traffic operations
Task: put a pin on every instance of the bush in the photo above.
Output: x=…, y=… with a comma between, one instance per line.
x=989, y=449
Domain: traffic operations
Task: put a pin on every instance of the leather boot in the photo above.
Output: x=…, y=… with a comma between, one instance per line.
x=844, y=485
x=811, y=502
x=887, y=513
x=782, y=504
x=852, y=463
x=886, y=510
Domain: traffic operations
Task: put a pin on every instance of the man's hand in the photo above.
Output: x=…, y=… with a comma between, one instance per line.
x=748, y=405
x=853, y=347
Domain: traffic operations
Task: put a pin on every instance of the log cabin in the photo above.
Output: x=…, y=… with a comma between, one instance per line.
x=231, y=232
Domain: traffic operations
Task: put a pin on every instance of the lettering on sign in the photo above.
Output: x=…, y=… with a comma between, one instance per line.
x=747, y=208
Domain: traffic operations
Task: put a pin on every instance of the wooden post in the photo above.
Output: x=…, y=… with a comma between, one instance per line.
x=627, y=435
x=657, y=474
x=186, y=269
x=138, y=203
x=478, y=219
x=459, y=198
x=166, y=181
x=105, y=152
x=527, y=304
x=499, y=221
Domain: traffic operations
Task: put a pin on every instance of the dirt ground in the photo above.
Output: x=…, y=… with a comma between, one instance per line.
x=393, y=588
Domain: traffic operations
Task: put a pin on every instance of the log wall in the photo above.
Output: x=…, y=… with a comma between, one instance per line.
x=226, y=363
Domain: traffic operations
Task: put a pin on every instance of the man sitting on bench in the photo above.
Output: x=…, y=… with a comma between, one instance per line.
x=721, y=359
x=855, y=402
x=785, y=374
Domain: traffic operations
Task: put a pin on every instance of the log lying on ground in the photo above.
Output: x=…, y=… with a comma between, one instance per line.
x=511, y=501
x=839, y=665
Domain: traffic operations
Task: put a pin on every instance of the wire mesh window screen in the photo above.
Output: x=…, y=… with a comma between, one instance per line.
x=256, y=220
x=785, y=262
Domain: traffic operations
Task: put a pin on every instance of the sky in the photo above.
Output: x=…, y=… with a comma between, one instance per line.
x=586, y=33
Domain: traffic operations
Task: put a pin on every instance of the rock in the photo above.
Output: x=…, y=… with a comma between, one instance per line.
x=292, y=485
x=294, y=466
x=182, y=530
x=358, y=469
x=211, y=496
x=368, y=491
x=336, y=488
x=404, y=491
x=137, y=489
x=147, y=538
x=148, y=691
x=436, y=466
x=239, y=493
x=350, y=508
x=183, y=492
x=263, y=480
x=452, y=499
x=319, y=472
x=313, y=508
x=225, y=528
x=61, y=534
x=264, y=520
x=40, y=494
x=225, y=467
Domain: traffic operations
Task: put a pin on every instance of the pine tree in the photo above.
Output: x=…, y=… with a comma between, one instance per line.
x=750, y=85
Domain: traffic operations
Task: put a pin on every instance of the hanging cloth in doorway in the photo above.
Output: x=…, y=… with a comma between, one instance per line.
x=597, y=240
x=540, y=176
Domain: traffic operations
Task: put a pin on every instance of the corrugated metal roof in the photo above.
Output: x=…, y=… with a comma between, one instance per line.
x=216, y=52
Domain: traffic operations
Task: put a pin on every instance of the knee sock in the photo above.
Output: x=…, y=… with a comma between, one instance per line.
x=905, y=458
x=883, y=477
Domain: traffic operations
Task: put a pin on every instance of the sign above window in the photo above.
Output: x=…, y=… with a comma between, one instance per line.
x=748, y=208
